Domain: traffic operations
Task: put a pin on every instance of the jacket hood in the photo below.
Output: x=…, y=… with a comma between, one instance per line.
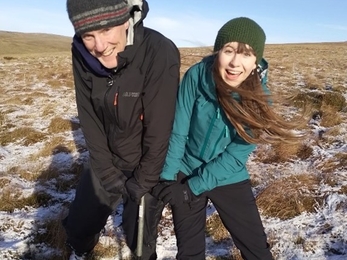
x=138, y=12
x=206, y=76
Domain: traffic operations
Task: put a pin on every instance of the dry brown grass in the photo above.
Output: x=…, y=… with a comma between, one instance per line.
x=304, y=152
x=11, y=198
x=216, y=229
x=4, y=182
x=57, y=77
x=191, y=56
x=62, y=184
x=2, y=118
x=13, y=100
x=27, y=43
x=343, y=190
x=330, y=116
x=334, y=131
x=289, y=197
x=332, y=164
x=109, y=251
x=59, y=125
x=56, y=145
x=52, y=233
x=24, y=173
x=319, y=100
x=42, y=80
x=235, y=256
x=281, y=152
x=25, y=135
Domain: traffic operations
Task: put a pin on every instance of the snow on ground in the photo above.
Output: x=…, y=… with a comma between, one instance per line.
x=316, y=236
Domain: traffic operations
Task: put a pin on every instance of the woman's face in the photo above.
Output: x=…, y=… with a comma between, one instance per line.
x=235, y=67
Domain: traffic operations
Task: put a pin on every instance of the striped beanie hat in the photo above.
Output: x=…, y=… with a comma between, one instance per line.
x=245, y=30
x=90, y=15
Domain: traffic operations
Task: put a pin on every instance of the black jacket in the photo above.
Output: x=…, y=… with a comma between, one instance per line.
x=132, y=135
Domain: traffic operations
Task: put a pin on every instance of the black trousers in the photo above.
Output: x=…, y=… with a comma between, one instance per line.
x=238, y=211
x=92, y=206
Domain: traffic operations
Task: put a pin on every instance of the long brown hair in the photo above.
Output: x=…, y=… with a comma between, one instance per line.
x=250, y=110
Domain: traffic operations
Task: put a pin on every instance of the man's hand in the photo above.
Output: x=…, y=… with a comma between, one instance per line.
x=114, y=181
x=175, y=193
x=135, y=190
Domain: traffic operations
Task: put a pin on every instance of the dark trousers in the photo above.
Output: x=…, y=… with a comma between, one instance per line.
x=93, y=205
x=238, y=211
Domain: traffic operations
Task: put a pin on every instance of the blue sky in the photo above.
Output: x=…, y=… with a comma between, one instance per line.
x=194, y=23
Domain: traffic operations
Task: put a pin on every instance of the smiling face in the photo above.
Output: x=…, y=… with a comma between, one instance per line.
x=106, y=43
x=235, y=64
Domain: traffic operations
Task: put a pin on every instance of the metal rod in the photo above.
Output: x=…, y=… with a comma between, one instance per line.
x=140, y=228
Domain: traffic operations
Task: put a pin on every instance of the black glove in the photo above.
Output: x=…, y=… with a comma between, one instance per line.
x=175, y=193
x=135, y=190
x=114, y=182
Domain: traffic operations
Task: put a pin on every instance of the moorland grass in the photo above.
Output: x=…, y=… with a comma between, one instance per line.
x=35, y=63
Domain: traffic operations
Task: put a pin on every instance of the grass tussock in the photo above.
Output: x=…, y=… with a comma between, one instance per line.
x=13, y=100
x=334, y=164
x=109, y=251
x=11, y=198
x=26, y=135
x=59, y=125
x=4, y=182
x=37, y=94
x=334, y=131
x=2, y=118
x=52, y=233
x=289, y=197
x=317, y=100
x=304, y=152
x=313, y=82
x=215, y=228
x=330, y=116
x=28, y=175
x=62, y=182
x=49, y=109
x=279, y=153
x=235, y=256
x=343, y=190
x=56, y=145
x=41, y=86
x=50, y=173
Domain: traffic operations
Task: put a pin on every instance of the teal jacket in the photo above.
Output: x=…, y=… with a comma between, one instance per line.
x=203, y=143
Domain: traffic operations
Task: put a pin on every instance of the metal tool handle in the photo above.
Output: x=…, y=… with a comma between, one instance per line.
x=141, y=222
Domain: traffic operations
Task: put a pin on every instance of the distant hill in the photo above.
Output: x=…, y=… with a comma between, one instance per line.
x=12, y=43
x=17, y=43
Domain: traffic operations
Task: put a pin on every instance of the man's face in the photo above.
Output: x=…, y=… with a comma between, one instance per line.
x=106, y=43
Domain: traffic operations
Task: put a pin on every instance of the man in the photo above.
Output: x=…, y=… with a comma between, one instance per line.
x=126, y=80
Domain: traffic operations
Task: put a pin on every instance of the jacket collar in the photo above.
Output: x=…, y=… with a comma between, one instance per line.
x=207, y=76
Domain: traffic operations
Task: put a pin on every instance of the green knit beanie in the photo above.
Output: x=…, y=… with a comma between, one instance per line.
x=245, y=30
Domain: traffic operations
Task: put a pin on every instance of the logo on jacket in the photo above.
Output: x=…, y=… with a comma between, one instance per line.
x=131, y=94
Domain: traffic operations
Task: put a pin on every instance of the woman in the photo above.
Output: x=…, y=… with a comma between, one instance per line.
x=223, y=110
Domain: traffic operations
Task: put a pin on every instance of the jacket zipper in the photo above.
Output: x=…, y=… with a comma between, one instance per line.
x=110, y=82
x=225, y=134
x=209, y=132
